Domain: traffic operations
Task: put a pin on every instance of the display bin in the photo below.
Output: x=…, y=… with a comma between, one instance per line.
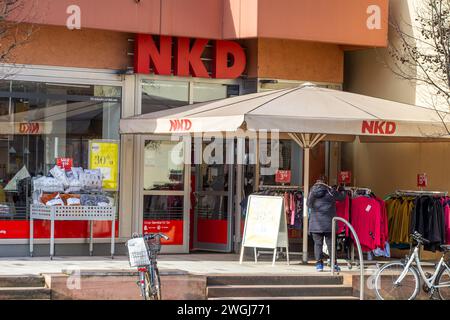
x=71, y=213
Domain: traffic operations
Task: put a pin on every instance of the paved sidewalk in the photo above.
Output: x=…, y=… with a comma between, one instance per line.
x=193, y=263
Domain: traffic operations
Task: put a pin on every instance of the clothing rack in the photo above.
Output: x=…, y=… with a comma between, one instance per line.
x=420, y=193
x=274, y=187
x=354, y=190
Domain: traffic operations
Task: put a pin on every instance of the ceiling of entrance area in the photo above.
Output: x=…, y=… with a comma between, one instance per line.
x=347, y=22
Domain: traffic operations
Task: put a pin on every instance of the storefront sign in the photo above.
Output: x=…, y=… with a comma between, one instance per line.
x=422, y=180
x=180, y=125
x=64, y=163
x=378, y=127
x=104, y=155
x=30, y=128
x=345, y=177
x=264, y=222
x=265, y=225
x=171, y=228
x=187, y=57
x=283, y=176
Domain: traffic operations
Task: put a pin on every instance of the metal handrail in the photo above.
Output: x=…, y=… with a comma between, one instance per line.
x=358, y=244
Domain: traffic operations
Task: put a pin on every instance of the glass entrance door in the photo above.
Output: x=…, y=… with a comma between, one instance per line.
x=213, y=207
x=164, y=182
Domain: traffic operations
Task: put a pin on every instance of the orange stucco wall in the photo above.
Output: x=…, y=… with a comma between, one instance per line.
x=266, y=58
x=331, y=21
x=86, y=48
x=299, y=60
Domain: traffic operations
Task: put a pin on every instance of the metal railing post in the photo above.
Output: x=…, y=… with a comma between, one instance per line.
x=358, y=245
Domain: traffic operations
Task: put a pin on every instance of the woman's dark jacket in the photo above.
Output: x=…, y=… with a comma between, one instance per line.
x=322, y=201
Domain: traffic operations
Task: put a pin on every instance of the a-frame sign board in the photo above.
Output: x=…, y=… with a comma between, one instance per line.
x=265, y=225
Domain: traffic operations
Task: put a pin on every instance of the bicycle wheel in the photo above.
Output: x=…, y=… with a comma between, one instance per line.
x=148, y=286
x=153, y=284
x=143, y=284
x=386, y=287
x=157, y=284
x=443, y=283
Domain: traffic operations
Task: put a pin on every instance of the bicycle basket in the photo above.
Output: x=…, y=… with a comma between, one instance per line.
x=154, y=247
x=138, y=252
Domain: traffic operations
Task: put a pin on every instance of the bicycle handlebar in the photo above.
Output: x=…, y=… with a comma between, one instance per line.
x=419, y=238
x=151, y=236
x=155, y=235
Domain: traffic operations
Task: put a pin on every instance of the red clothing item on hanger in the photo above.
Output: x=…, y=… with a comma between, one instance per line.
x=343, y=211
x=367, y=220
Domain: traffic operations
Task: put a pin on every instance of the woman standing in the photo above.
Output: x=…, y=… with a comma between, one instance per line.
x=322, y=203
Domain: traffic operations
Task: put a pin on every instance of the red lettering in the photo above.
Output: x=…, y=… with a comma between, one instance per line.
x=146, y=55
x=379, y=127
x=34, y=128
x=229, y=57
x=367, y=127
x=23, y=127
x=175, y=125
x=224, y=50
x=390, y=127
x=190, y=59
x=187, y=124
x=180, y=125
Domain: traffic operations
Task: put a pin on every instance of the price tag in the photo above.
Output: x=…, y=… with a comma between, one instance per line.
x=65, y=163
x=283, y=176
x=345, y=177
x=422, y=180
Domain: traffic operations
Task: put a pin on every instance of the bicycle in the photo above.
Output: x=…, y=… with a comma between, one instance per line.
x=143, y=250
x=401, y=280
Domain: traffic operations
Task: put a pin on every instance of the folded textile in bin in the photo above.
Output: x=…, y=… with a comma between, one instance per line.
x=47, y=184
x=88, y=200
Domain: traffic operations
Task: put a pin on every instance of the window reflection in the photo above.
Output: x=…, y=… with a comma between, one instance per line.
x=163, y=165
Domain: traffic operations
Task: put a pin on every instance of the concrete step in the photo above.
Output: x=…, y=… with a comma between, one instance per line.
x=22, y=281
x=279, y=290
x=220, y=280
x=289, y=298
x=25, y=293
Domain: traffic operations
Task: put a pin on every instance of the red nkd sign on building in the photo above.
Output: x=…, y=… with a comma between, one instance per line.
x=378, y=127
x=187, y=57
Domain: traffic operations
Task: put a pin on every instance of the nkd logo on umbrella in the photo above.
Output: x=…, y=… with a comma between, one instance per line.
x=378, y=127
x=180, y=125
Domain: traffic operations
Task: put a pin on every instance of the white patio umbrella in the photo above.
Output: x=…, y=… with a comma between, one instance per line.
x=307, y=113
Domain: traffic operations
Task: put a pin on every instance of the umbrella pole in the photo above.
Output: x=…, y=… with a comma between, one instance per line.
x=305, y=205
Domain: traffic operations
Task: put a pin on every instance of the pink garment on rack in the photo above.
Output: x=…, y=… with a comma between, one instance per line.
x=292, y=204
x=367, y=219
x=286, y=203
x=447, y=224
x=343, y=211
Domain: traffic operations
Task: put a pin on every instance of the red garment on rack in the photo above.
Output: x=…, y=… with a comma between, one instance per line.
x=343, y=211
x=369, y=219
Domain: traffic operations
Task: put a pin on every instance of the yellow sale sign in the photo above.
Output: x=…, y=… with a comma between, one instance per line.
x=104, y=155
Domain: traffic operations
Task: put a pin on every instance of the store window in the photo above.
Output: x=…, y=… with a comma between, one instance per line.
x=204, y=91
x=40, y=122
x=160, y=95
x=288, y=159
x=163, y=182
x=163, y=166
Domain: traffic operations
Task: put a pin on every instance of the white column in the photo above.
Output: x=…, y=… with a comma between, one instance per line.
x=305, y=205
